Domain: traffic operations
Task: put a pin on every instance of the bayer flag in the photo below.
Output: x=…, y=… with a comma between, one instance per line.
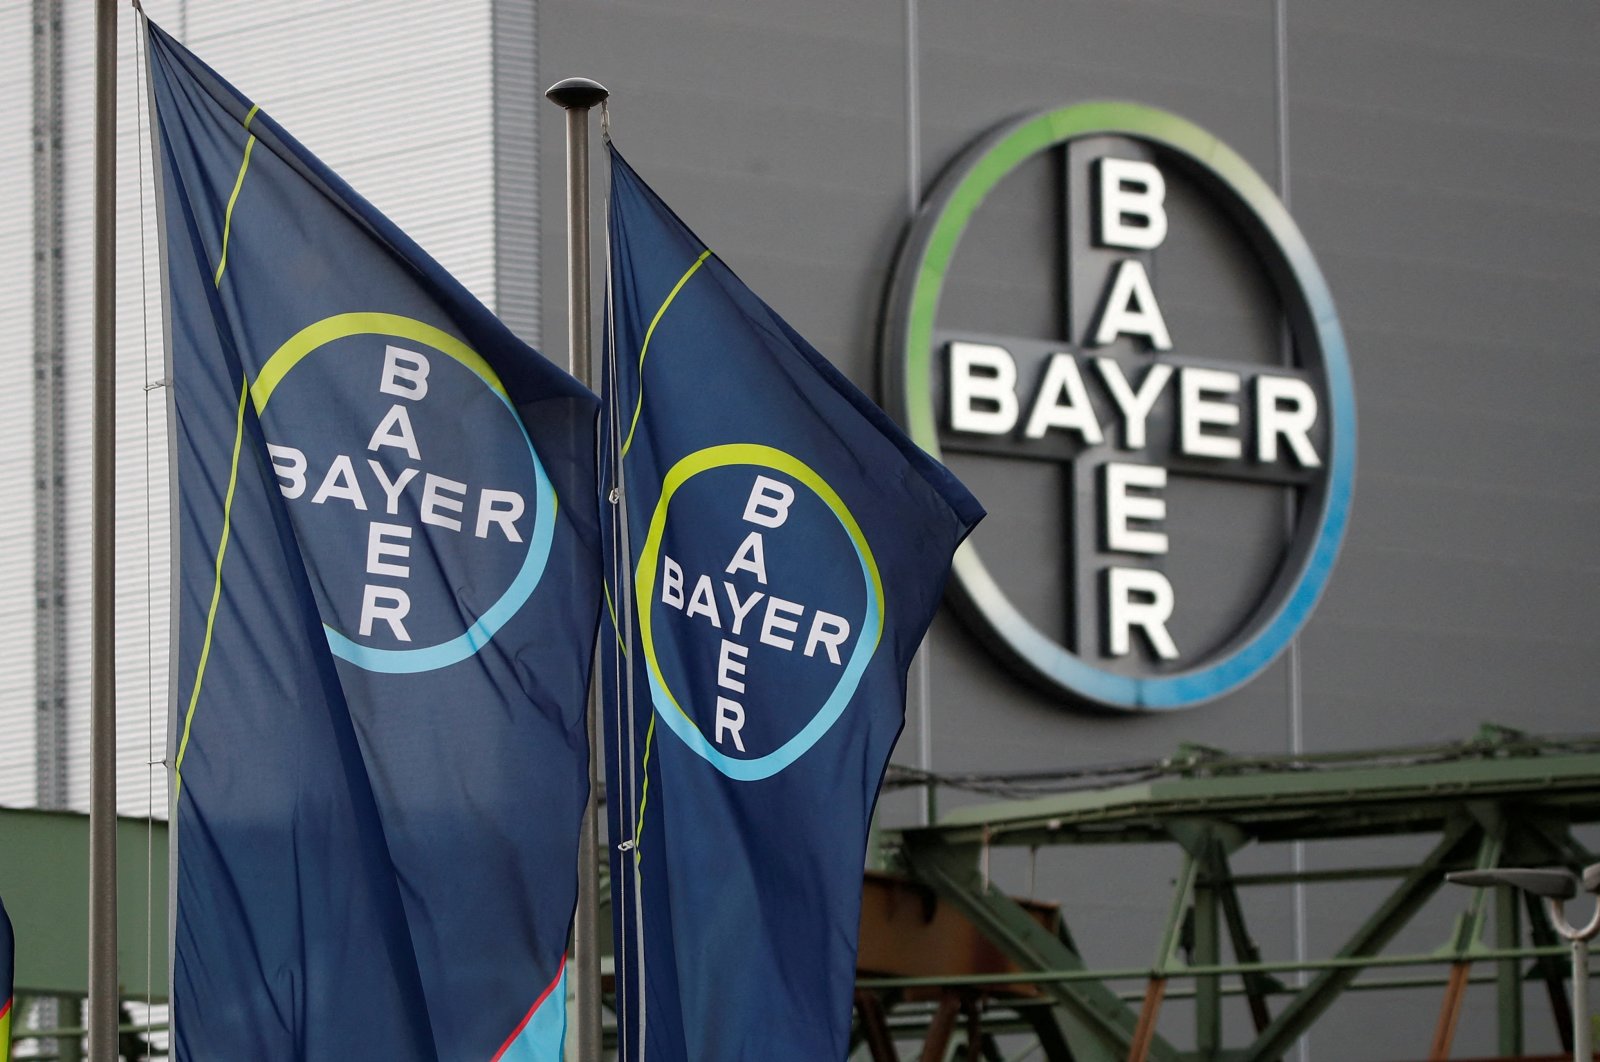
x=388, y=590
x=779, y=548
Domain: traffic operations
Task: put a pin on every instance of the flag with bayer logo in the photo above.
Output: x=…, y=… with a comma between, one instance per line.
x=776, y=548
x=388, y=587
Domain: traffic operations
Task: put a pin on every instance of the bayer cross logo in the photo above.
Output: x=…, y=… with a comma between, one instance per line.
x=754, y=648
x=1192, y=440
x=424, y=511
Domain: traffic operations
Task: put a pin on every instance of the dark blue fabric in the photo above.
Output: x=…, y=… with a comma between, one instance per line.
x=8, y=970
x=376, y=836
x=737, y=903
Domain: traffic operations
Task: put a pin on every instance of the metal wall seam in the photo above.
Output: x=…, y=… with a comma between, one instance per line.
x=514, y=99
x=18, y=709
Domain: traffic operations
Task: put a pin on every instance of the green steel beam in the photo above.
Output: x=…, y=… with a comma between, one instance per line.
x=1047, y=1030
x=1206, y=844
x=1167, y=951
x=1257, y=986
x=1371, y=984
x=1309, y=1003
x=1095, y=1023
x=1554, y=836
x=1508, y=980
x=44, y=878
x=1357, y=963
x=907, y=1015
x=1288, y=804
x=1338, y=874
x=1467, y=933
x=1207, y=951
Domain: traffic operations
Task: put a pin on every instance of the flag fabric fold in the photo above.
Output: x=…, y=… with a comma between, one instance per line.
x=8, y=969
x=387, y=581
x=775, y=549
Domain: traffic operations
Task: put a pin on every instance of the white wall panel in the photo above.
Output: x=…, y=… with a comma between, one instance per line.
x=393, y=95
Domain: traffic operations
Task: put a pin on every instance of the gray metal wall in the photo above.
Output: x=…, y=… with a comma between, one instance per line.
x=1440, y=158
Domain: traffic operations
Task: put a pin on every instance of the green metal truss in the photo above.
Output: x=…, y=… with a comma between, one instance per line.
x=1501, y=798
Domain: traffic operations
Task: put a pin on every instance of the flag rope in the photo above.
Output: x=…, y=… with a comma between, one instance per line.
x=620, y=891
x=622, y=544
x=140, y=61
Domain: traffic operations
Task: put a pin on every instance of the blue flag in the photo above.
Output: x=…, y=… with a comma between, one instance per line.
x=388, y=590
x=778, y=548
x=8, y=956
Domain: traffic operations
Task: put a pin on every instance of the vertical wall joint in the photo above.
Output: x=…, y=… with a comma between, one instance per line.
x=48, y=460
x=514, y=99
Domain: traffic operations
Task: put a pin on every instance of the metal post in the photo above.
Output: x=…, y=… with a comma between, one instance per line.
x=1208, y=951
x=577, y=96
x=103, y=991
x=1508, y=972
x=1581, y=1048
x=1582, y=1035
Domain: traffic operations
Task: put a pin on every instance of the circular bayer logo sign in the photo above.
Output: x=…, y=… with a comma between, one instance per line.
x=1133, y=356
x=416, y=495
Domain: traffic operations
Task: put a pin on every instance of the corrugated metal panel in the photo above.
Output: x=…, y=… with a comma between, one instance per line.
x=16, y=405
x=516, y=105
x=393, y=95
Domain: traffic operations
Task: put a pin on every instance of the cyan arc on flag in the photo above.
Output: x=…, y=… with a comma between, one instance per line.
x=775, y=550
x=387, y=592
x=8, y=970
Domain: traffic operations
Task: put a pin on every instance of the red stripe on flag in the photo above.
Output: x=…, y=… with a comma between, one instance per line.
x=523, y=1024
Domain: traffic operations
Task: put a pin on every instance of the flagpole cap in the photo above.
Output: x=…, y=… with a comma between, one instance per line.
x=576, y=93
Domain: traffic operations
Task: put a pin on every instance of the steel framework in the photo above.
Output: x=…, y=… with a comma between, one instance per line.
x=1501, y=797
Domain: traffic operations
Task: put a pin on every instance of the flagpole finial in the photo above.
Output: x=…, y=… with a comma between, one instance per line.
x=576, y=93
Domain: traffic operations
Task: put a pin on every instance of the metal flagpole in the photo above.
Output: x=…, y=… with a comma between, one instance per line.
x=103, y=981
x=578, y=95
